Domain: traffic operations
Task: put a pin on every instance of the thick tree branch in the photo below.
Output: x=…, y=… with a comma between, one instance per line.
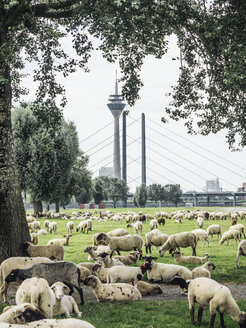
x=41, y=9
x=55, y=14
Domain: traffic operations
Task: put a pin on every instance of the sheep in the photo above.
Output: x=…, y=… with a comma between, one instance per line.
x=70, y=227
x=240, y=227
x=200, y=222
x=230, y=234
x=64, y=304
x=34, y=238
x=51, y=251
x=84, y=272
x=125, y=274
x=117, y=232
x=52, y=227
x=124, y=243
x=138, y=226
x=108, y=262
x=37, y=292
x=113, y=292
x=201, y=235
x=66, y=272
x=63, y=242
x=128, y=259
x=54, y=323
x=153, y=224
x=95, y=241
x=145, y=288
x=241, y=250
x=14, y=263
x=182, y=239
x=84, y=225
x=208, y=292
x=204, y=270
x=164, y=272
x=87, y=265
x=42, y=232
x=35, y=225
x=155, y=238
x=214, y=229
x=19, y=314
x=178, y=221
x=100, y=271
x=179, y=258
x=46, y=224
x=94, y=251
x=161, y=221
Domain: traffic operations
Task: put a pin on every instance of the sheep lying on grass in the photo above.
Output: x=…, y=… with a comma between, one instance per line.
x=203, y=271
x=20, y=314
x=128, y=259
x=113, y=292
x=182, y=239
x=179, y=258
x=125, y=274
x=63, y=242
x=146, y=289
x=241, y=250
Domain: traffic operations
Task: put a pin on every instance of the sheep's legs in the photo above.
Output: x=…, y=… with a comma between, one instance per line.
x=193, y=251
x=200, y=312
x=212, y=319
x=222, y=324
x=192, y=311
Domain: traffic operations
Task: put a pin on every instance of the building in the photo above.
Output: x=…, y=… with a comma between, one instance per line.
x=106, y=172
x=243, y=188
x=212, y=185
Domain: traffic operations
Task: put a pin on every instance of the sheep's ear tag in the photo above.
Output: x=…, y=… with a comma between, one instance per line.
x=143, y=265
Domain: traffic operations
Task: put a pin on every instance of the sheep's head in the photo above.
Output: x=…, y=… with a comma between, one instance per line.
x=176, y=253
x=59, y=289
x=242, y=319
x=91, y=281
x=13, y=276
x=96, y=267
x=101, y=236
x=90, y=248
x=210, y=266
x=24, y=313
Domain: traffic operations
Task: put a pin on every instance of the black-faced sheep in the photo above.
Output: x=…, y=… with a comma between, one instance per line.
x=182, y=239
x=20, y=314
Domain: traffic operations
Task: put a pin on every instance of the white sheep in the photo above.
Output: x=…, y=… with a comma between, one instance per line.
x=138, y=226
x=46, y=224
x=153, y=224
x=125, y=274
x=180, y=258
x=14, y=263
x=70, y=227
x=124, y=243
x=155, y=238
x=240, y=227
x=34, y=238
x=128, y=259
x=100, y=271
x=200, y=222
x=241, y=250
x=42, y=232
x=203, y=271
x=113, y=292
x=84, y=272
x=214, y=229
x=117, y=232
x=64, y=304
x=208, y=292
x=95, y=251
x=182, y=239
x=37, y=292
x=50, y=251
x=145, y=288
x=230, y=234
x=84, y=225
x=53, y=227
x=202, y=235
x=107, y=261
x=63, y=242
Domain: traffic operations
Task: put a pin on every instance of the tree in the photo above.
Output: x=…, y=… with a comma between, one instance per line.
x=141, y=195
x=99, y=192
x=174, y=193
x=155, y=192
x=118, y=190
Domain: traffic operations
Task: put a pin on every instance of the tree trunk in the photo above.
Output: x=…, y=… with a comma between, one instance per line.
x=37, y=207
x=57, y=207
x=47, y=207
x=14, y=229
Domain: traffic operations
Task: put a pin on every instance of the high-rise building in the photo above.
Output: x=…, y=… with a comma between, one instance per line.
x=116, y=106
x=212, y=185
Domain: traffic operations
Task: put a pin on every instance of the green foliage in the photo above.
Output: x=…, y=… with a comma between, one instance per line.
x=140, y=196
x=99, y=190
x=117, y=190
x=156, y=192
x=173, y=193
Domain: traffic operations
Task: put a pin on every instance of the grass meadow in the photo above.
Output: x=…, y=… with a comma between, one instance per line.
x=153, y=314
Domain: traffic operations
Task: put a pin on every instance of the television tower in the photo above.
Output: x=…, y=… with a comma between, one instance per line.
x=116, y=106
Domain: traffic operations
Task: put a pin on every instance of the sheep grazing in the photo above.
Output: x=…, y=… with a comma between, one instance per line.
x=230, y=234
x=42, y=232
x=125, y=274
x=153, y=224
x=200, y=222
x=37, y=292
x=128, y=259
x=201, y=235
x=204, y=270
x=46, y=224
x=155, y=238
x=241, y=250
x=63, y=242
x=84, y=226
x=113, y=292
x=125, y=243
x=70, y=227
x=51, y=251
x=64, y=304
x=52, y=227
x=240, y=227
x=179, y=258
x=161, y=221
x=66, y=272
x=208, y=292
x=16, y=263
x=20, y=314
x=146, y=289
x=214, y=229
x=138, y=227
x=34, y=238
x=182, y=239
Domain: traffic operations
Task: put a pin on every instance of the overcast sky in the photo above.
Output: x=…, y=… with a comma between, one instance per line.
x=173, y=156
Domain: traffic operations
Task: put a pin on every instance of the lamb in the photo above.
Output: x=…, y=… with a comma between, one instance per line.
x=230, y=234
x=204, y=270
x=164, y=272
x=138, y=226
x=155, y=238
x=66, y=272
x=124, y=243
x=241, y=250
x=14, y=263
x=70, y=227
x=51, y=251
x=214, y=229
x=34, y=238
x=208, y=292
x=179, y=258
x=128, y=259
x=240, y=227
x=100, y=271
x=37, y=292
x=201, y=235
x=153, y=224
x=42, y=232
x=125, y=274
x=63, y=242
x=117, y=232
x=146, y=289
x=64, y=304
x=19, y=314
x=113, y=292
x=52, y=227
x=200, y=222
x=182, y=239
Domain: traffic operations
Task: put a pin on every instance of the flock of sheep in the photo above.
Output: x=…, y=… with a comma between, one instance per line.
x=46, y=279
